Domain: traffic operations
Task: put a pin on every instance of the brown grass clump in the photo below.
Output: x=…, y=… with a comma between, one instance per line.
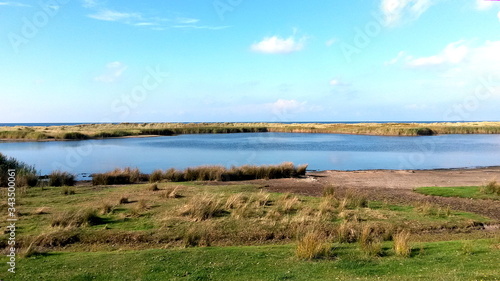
x=199, y=235
x=430, y=209
x=76, y=218
x=491, y=188
x=235, y=201
x=106, y=208
x=68, y=190
x=348, y=232
x=203, y=207
x=369, y=241
x=329, y=191
x=171, y=193
x=312, y=246
x=288, y=204
x=153, y=187
x=402, y=246
x=123, y=200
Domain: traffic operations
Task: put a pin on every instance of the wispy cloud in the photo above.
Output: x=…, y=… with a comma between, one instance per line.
x=102, y=13
x=278, y=45
x=114, y=70
x=397, y=11
x=453, y=53
x=484, y=5
x=110, y=15
x=15, y=4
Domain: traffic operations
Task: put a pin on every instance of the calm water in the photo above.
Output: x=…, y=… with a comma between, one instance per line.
x=320, y=151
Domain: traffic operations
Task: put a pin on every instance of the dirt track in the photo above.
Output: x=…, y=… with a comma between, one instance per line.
x=397, y=186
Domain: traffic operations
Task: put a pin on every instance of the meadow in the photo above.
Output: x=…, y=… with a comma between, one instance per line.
x=199, y=230
x=100, y=131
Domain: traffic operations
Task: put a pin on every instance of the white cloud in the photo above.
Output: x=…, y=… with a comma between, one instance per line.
x=90, y=3
x=395, y=11
x=110, y=15
x=14, y=4
x=277, y=45
x=141, y=20
x=114, y=70
x=484, y=5
x=330, y=42
x=454, y=53
x=462, y=65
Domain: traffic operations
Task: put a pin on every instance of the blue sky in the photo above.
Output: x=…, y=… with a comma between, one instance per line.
x=241, y=60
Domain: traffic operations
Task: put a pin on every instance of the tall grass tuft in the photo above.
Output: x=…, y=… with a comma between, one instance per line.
x=26, y=174
x=312, y=246
x=491, y=188
x=203, y=207
x=402, y=246
x=369, y=242
x=76, y=218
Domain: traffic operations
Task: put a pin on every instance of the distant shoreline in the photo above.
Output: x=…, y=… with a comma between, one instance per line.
x=135, y=130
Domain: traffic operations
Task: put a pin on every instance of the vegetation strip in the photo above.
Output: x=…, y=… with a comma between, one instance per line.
x=101, y=131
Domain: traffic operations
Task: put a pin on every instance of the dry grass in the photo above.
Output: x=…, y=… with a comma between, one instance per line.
x=369, y=240
x=68, y=190
x=118, y=176
x=75, y=218
x=123, y=200
x=313, y=246
x=58, y=178
x=153, y=187
x=203, y=207
x=491, y=188
x=402, y=246
x=430, y=209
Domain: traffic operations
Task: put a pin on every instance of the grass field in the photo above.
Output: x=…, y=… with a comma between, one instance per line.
x=474, y=192
x=100, y=131
x=429, y=261
x=200, y=231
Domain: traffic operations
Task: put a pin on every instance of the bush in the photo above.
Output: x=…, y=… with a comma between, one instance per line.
x=26, y=175
x=491, y=188
x=58, y=178
x=68, y=190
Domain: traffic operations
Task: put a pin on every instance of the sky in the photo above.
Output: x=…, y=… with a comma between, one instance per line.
x=246, y=61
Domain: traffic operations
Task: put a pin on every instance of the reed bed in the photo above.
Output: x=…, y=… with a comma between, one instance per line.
x=99, y=131
x=220, y=173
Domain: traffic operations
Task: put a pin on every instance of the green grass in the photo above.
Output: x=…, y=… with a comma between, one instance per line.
x=91, y=234
x=437, y=261
x=473, y=192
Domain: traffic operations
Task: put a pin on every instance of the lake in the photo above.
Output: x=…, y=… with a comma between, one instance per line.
x=320, y=151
